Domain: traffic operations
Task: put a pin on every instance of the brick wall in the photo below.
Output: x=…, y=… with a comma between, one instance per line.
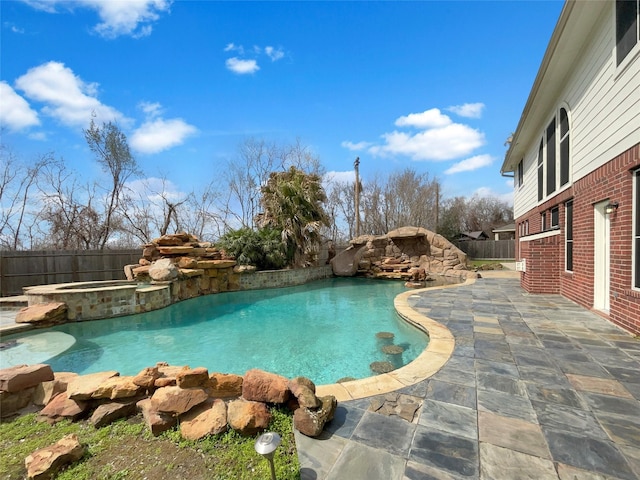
x=545, y=257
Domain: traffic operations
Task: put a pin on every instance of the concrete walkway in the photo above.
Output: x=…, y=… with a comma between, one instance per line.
x=536, y=388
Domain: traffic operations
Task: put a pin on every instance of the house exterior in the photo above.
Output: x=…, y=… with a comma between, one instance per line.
x=575, y=158
x=506, y=232
x=473, y=236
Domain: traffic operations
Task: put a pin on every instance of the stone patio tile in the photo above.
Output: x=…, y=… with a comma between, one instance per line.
x=317, y=456
x=419, y=471
x=633, y=389
x=512, y=433
x=360, y=461
x=344, y=421
x=501, y=383
x=498, y=368
x=456, y=455
x=550, y=377
x=485, y=319
x=567, y=472
x=624, y=430
x=391, y=434
x=528, y=341
x=632, y=454
x=568, y=419
x=417, y=390
x=498, y=463
x=611, y=404
x=464, y=363
x=453, y=375
x=452, y=393
x=488, y=330
x=450, y=418
x=488, y=352
x=624, y=374
x=607, y=386
x=506, y=405
x=588, y=454
x=559, y=395
x=532, y=357
x=591, y=369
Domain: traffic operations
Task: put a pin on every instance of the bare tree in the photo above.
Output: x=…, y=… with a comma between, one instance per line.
x=111, y=149
x=18, y=206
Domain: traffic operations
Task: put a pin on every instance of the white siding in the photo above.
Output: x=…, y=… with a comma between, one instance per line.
x=604, y=105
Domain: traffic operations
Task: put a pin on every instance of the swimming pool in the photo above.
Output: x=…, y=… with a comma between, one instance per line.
x=324, y=330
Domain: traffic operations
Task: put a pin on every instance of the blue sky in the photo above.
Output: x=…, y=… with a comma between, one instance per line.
x=434, y=86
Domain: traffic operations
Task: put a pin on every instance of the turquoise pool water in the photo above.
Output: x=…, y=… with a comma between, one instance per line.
x=324, y=330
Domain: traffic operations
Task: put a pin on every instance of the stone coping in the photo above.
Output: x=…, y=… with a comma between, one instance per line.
x=79, y=287
x=432, y=359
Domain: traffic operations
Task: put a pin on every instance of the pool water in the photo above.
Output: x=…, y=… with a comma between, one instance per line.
x=324, y=330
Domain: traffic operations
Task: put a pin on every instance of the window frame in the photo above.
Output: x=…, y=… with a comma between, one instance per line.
x=554, y=218
x=520, y=173
x=635, y=232
x=568, y=236
x=554, y=154
x=622, y=57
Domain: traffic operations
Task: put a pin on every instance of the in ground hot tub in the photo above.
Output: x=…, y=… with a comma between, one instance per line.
x=93, y=300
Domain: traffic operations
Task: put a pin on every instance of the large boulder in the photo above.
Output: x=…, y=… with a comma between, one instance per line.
x=156, y=421
x=176, y=400
x=43, y=464
x=43, y=314
x=117, y=387
x=62, y=407
x=45, y=391
x=261, y=386
x=196, y=377
x=14, y=379
x=248, y=418
x=163, y=270
x=311, y=422
x=147, y=377
x=84, y=386
x=11, y=402
x=110, y=412
x=208, y=418
x=225, y=385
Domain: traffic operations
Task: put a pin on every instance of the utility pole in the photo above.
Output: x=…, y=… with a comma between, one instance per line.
x=356, y=165
x=437, y=204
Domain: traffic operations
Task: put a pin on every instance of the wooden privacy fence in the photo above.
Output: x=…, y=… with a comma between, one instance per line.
x=43, y=267
x=499, y=249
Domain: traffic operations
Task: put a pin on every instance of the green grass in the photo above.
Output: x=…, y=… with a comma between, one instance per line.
x=127, y=450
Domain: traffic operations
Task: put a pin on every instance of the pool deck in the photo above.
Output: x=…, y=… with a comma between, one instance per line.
x=523, y=387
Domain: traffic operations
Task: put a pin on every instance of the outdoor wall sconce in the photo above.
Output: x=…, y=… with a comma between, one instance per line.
x=611, y=207
x=266, y=445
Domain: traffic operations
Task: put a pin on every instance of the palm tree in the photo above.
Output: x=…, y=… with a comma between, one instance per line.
x=292, y=203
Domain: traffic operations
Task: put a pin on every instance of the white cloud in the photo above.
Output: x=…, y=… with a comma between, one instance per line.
x=469, y=110
x=121, y=17
x=339, y=177
x=470, y=164
x=274, y=53
x=354, y=147
x=445, y=143
x=66, y=96
x=154, y=188
x=157, y=134
x=242, y=67
x=483, y=192
x=428, y=119
x=151, y=110
x=232, y=47
x=15, y=112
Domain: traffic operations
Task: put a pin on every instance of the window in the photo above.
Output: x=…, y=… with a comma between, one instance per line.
x=520, y=174
x=543, y=221
x=554, y=160
x=555, y=217
x=636, y=229
x=564, y=147
x=541, y=171
x=551, y=157
x=568, y=237
x=627, y=24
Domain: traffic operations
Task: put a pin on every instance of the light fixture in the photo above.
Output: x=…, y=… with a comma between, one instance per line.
x=610, y=208
x=266, y=445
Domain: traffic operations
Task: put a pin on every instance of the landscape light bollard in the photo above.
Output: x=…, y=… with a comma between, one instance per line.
x=266, y=445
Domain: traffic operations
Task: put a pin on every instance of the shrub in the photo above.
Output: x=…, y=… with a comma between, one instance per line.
x=263, y=248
